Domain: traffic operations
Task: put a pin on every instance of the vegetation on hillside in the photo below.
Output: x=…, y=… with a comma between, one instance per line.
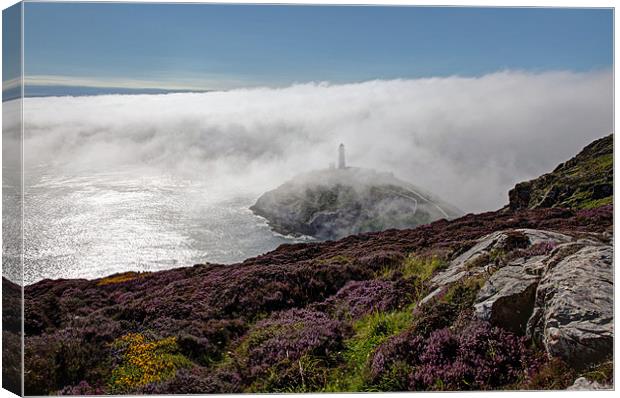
x=337, y=316
x=583, y=182
x=346, y=315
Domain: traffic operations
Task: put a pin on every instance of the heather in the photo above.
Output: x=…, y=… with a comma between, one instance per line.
x=359, y=298
x=479, y=357
x=283, y=351
x=334, y=316
x=11, y=336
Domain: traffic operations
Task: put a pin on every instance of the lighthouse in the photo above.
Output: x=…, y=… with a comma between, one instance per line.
x=341, y=163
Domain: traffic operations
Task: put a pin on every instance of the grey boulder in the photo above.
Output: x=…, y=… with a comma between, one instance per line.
x=573, y=317
x=507, y=299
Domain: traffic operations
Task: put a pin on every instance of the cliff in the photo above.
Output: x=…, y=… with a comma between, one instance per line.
x=583, y=182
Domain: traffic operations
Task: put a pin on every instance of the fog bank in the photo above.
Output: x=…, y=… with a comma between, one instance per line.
x=467, y=140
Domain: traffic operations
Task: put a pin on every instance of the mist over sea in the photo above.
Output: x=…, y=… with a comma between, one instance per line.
x=118, y=183
x=96, y=224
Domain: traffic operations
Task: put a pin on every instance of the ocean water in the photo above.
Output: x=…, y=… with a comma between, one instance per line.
x=90, y=225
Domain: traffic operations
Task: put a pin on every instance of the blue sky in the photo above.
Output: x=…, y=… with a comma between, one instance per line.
x=186, y=46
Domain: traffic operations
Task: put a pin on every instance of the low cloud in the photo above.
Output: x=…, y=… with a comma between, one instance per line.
x=467, y=140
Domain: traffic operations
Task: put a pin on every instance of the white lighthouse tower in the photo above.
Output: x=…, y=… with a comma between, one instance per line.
x=341, y=163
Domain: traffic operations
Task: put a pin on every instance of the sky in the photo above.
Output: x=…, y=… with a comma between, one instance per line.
x=219, y=47
x=463, y=102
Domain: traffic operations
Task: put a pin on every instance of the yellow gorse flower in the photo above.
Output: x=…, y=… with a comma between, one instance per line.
x=145, y=361
x=123, y=277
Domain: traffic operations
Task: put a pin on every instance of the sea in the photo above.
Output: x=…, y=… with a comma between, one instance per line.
x=90, y=225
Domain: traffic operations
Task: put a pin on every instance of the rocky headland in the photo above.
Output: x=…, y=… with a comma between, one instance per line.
x=334, y=203
x=583, y=182
x=519, y=298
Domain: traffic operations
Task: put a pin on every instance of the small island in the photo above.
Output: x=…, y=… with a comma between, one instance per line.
x=340, y=201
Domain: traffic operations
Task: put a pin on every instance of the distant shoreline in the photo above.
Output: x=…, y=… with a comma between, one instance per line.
x=37, y=91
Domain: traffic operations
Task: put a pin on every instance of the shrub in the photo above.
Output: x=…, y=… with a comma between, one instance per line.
x=515, y=240
x=120, y=278
x=338, y=259
x=394, y=379
x=382, y=260
x=416, y=270
x=250, y=291
x=359, y=298
x=392, y=361
x=274, y=352
x=306, y=374
x=595, y=215
x=480, y=357
x=82, y=388
x=547, y=374
x=203, y=342
x=12, y=361
x=144, y=361
x=451, y=305
x=69, y=324
x=462, y=294
x=197, y=380
x=63, y=358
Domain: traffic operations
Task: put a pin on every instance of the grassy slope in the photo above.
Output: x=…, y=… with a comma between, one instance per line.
x=583, y=182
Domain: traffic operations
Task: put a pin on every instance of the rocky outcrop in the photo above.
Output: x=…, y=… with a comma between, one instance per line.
x=487, y=253
x=555, y=288
x=574, y=306
x=585, y=181
x=507, y=299
x=333, y=203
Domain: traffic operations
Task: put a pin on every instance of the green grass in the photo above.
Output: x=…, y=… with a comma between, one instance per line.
x=593, y=204
x=594, y=166
x=386, y=272
x=421, y=267
x=313, y=374
x=464, y=292
x=583, y=200
x=593, y=171
x=574, y=184
x=602, y=373
x=370, y=332
x=417, y=268
x=601, y=164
